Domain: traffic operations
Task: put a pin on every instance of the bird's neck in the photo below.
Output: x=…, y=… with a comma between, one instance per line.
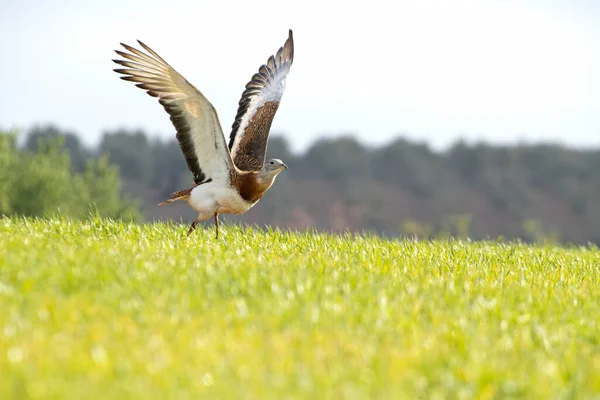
x=252, y=186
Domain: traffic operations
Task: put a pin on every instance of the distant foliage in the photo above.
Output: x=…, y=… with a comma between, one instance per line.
x=131, y=150
x=67, y=141
x=402, y=188
x=40, y=180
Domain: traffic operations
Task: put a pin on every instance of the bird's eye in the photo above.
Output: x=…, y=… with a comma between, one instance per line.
x=272, y=163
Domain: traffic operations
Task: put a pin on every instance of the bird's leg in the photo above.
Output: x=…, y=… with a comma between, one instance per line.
x=217, y=224
x=193, y=226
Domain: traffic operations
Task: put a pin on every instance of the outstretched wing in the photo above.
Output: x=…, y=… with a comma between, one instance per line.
x=257, y=107
x=198, y=128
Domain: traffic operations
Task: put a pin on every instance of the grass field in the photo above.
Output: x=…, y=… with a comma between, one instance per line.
x=108, y=310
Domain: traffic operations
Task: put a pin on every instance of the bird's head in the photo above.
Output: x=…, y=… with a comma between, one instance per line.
x=272, y=168
x=274, y=165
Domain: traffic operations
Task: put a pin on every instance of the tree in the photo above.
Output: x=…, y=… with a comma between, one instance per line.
x=169, y=169
x=410, y=165
x=43, y=182
x=340, y=161
x=131, y=152
x=69, y=142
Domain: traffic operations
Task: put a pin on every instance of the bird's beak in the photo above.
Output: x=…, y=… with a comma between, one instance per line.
x=285, y=166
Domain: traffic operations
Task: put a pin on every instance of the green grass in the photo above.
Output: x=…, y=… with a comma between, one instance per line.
x=101, y=309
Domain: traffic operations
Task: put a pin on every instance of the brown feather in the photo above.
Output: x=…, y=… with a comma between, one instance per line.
x=252, y=158
x=248, y=186
x=182, y=193
x=255, y=137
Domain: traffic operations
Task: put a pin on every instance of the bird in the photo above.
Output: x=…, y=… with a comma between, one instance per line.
x=227, y=177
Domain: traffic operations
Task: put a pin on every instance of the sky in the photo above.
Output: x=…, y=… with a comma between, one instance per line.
x=501, y=71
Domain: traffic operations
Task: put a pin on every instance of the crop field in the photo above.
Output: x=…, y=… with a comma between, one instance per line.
x=100, y=309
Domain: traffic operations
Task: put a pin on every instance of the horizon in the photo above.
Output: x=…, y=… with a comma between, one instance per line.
x=22, y=136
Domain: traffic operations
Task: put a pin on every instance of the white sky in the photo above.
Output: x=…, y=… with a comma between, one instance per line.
x=434, y=70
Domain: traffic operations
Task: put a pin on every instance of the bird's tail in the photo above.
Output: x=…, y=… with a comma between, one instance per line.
x=180, y=195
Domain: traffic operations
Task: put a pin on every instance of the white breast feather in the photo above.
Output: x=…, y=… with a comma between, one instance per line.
x=210, y=198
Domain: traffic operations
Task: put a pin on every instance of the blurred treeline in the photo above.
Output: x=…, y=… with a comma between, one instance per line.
x=532, y=192
x=41, y=179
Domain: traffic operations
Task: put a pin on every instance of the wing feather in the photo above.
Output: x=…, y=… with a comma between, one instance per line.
x=257, y=108
x=199, y=131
